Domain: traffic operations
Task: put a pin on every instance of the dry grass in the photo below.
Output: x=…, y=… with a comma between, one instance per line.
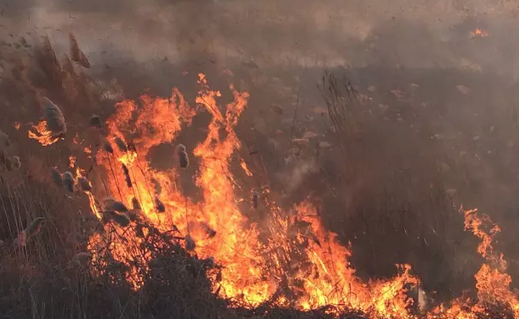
x=47, y=277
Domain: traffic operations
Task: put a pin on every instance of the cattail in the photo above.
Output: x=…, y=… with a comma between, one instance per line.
x=135, y=204
x=54, y=118
x=120, y=218
x=159, y=205
x=133, y=215
x=108, y=147
x=56, y=177
x=4, y=140
x=209, y=231
x=255, y=199
x=106, y=217
x=95, y=121
x=15, y=162
x=190, y=243
x=139, y=230
x=84, y=184
x=68, y=181
x=183, y=158
x=76, y=54
x=113, y=205
x=121, y=145
x=127, y=176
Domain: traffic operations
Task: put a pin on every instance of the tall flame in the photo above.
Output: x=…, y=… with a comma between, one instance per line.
x=290, y=260
x=492, y=281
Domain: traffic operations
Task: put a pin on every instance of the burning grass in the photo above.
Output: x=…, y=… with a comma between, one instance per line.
x=79, y=250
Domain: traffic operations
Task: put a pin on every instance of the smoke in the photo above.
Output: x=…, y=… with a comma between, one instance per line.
x=295, y=172
x=402, y=33
x=442, y=139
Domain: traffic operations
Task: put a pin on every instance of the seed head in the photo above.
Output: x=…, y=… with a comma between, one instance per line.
x=183, y=157
x=127, y=176
x=120, y=218
x=54, y=118
x=108, y=148
x=159, y=205
x=135, y=204
x=95, y=121
x=121, y=145
x=68, y=181
x=56, y=177
x=255, y=199
x=111, y=204
x=84, y=184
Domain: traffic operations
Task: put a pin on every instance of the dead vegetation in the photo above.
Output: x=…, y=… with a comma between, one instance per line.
x=45, y=276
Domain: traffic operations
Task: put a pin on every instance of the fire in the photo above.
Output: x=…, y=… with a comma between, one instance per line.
x=291, y=260
x=479, y=33
x=254, y=270
x=44, y=136
x=72, y=161
x=245, y=168
x=492, y=281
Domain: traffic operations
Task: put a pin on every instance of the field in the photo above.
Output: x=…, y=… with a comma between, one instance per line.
x=164, y=190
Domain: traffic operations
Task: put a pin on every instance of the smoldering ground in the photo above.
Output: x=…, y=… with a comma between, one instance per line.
x=438, y=121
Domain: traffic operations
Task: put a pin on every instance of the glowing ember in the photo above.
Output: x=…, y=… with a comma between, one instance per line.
x=479, y=33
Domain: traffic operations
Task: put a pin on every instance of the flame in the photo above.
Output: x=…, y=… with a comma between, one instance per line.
x=42, y=134
x=492, y=281
x=72, y=161
x=299, y=264
x=479, y=33
x=245, y=167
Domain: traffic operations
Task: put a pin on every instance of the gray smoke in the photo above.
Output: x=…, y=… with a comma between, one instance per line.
x=400, y=33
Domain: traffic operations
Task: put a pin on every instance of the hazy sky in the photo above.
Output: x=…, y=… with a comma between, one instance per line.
x=334, y=32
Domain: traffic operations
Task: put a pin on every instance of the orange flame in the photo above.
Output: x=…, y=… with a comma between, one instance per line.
x=299, y=264
x=479, y=33
x=42, y=134
x=492, y=281
x=236, y=244
x=245, y=168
